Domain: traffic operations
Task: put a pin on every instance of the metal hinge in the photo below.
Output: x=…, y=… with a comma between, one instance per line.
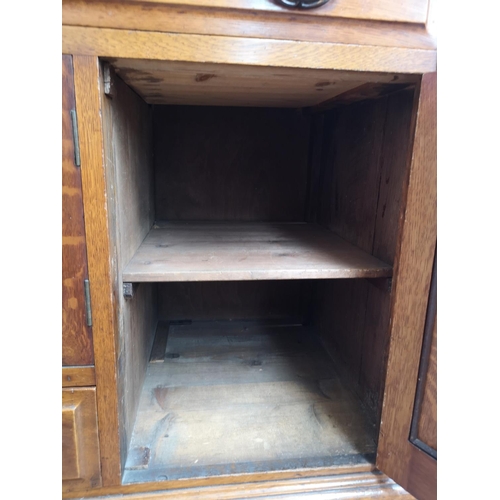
x=76, y=142
x=108, y=78
x=88, y=305
x=129, y=290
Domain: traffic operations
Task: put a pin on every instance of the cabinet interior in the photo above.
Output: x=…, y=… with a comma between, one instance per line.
x=255, y=216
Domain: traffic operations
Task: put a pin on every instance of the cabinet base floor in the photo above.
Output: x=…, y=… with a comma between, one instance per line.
x=243, y=397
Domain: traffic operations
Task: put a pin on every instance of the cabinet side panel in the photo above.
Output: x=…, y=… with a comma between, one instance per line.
x=364, y=171
x=394, y=171
x=128, y=146
x=350, y=192
x=138, y=325
x=347, y=204
x=222, y=163
x=77, y=347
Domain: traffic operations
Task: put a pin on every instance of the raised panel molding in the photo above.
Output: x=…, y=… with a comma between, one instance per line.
x=80, y=447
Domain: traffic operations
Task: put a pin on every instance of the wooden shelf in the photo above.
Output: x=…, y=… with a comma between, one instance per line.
x=195, y=251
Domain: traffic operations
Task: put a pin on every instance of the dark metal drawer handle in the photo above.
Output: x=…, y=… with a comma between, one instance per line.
x=302, y=4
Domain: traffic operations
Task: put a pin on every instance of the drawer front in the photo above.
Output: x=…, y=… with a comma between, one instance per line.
x=407, y=11
x=80, y=445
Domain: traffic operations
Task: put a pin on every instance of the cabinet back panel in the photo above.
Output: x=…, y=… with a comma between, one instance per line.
x=243, y=300
x=222, y=163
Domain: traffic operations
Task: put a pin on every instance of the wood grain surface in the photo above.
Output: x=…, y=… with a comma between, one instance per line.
x=128, y=140
x=88, y=106
x=115, y=43
x=427, y=425
x=363, y=173
x=141, y=47
x=171, y=82
x=178, y=251
x=367, y=91
x=77, y=347
x=394, y=173
x=285, y=25
x=340, y=483
x=232, y=300
x=80, y=445
x=396, y=455
x=78, y=376
x=406, y=11
x=229, y=164
x=352, y=173
x=160, y=342
x=243, y=397
x=424, y=422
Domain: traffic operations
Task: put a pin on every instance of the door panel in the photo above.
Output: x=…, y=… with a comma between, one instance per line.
x=80, y=446
x=398, y=456
x=77, y=346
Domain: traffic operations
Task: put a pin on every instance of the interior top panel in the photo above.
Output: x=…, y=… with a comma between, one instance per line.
x=201, y=84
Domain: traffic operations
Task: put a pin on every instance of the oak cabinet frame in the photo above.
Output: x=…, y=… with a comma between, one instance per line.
x=396, y=455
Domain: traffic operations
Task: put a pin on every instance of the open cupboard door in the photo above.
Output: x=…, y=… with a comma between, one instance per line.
x=407, y=448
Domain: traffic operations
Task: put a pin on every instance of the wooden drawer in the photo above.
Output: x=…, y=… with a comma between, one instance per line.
x=405, y=11
x=80, y=445
x=366, y=23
